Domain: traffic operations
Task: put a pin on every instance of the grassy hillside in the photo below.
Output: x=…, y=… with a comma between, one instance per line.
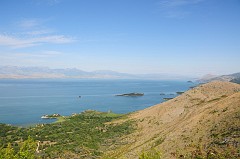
x=201, y=122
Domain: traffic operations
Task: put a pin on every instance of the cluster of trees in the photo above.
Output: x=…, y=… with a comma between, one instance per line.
x=27, y=150
x=82, y=135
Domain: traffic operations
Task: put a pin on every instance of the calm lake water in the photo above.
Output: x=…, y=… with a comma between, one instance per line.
x=23, y=102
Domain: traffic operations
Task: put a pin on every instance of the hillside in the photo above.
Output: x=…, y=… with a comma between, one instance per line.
x=83, y=135
x=236, y=80
x=235, y=77
x=203, y=120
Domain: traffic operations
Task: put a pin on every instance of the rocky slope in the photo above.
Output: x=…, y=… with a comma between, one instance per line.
x=205, y=119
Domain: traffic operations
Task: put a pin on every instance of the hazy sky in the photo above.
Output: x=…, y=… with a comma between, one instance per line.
x=188, y=37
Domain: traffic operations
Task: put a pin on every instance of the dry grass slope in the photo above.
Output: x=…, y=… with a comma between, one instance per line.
x=205, y=118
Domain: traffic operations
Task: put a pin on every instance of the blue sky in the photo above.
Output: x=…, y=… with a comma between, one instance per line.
x=186, y=37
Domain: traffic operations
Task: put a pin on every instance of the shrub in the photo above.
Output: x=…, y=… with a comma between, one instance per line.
x=151, y=154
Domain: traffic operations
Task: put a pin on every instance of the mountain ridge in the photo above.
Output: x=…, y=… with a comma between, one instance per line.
x=15, y=72
x=235, y=77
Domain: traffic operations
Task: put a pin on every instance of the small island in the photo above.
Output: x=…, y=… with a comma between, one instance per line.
x=131, y=94
x=52, y=116
x=179, y=92
x=167, y=98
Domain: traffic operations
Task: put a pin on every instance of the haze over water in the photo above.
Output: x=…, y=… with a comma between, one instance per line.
x=23, y=102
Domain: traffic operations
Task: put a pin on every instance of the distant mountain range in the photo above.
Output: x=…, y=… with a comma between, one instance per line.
x=16, y=72
x=235, y=77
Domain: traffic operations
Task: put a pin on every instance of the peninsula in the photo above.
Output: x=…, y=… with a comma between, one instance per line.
x=52, y=116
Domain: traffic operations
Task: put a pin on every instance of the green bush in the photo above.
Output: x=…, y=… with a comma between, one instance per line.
x=7, y=153
x=151, y=154
x=27, y=151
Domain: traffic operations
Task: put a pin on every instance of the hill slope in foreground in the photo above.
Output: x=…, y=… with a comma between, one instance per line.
x=205, y=119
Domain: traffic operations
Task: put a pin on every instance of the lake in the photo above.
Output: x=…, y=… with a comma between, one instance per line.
x=23, y=102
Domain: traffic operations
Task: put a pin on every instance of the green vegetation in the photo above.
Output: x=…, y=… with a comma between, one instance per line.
x=158, y=141
x=150, y=154
x=25, y=151
x=80, y=135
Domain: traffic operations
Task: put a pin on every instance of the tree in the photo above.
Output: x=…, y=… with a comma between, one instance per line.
x=27, y=149
x=7, y=153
